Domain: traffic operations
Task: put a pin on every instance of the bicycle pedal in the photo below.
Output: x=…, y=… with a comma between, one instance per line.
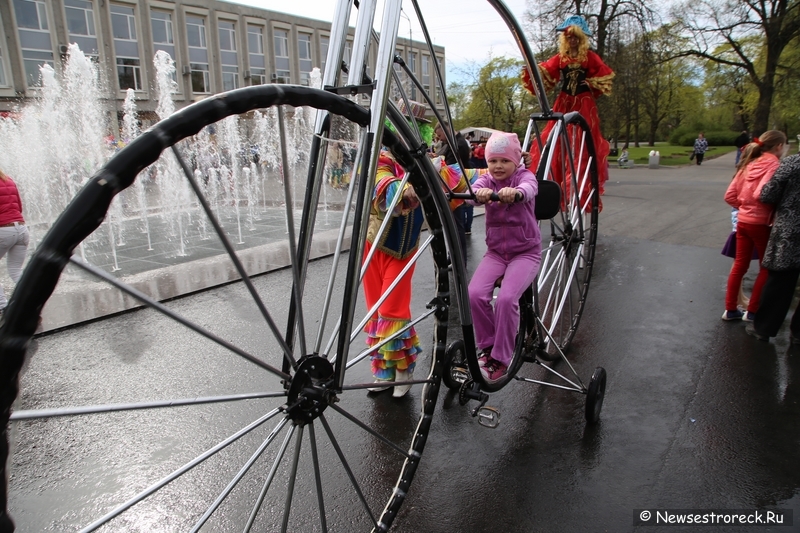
x=488, y=417
x=459, y=374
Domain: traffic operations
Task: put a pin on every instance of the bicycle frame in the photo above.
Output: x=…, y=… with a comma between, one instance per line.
x=378, y=91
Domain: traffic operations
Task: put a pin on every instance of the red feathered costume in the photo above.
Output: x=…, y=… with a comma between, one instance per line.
x=584, y=80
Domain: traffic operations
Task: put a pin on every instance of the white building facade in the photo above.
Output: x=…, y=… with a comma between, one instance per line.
x=217, y=46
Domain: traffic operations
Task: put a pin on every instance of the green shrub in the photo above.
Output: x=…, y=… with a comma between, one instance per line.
x=676, y=138
x=722, y=138
x=714, y=138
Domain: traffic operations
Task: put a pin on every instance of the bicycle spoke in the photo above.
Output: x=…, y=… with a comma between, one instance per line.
x=224, y=494
x=347, y=469
x=369, y=430
x=110, y=408
x=317, y=478
x=234, y=258
x=297, y=292
x=179, y=472
x=269, y=479
x=168, y=312
x=298, y=444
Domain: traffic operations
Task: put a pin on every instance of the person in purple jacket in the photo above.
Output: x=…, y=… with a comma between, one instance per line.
x=514, y=247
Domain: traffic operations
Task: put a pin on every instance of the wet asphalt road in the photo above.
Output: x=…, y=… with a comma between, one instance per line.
x=697, y=414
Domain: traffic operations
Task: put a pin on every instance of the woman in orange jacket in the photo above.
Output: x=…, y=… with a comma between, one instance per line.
x=757, y=165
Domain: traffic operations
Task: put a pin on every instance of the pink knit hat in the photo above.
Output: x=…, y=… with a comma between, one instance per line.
x=505, y=145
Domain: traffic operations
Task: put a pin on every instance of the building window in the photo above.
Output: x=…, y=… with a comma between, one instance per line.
x=304, y=56
x=3, y=79
x=31, y=14
x=230, y=78
x=324, y=44
x=228, y=56
x=196, y=32
x=126, y=48
x=80, y=19
x=201, y=78
x=227, y=36
x=399, y=82
x=162, y=27
x=163, y=38
x=80, y=25
x=438, y=86
x=426, y=73
x=281, y=45
x=123, y=23
x=255, y=49
x=129, y=74
x=198, y=54
x=348, y=52
x=412, y=66
x=34, y=38
x=3, y=76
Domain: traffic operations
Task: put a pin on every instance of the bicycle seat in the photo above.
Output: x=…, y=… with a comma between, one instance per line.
x=548, y=200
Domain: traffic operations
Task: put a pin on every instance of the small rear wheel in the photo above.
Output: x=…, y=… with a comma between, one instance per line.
x=595, y=395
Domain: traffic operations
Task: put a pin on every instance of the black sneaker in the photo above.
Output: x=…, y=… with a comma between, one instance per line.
x=732, y=315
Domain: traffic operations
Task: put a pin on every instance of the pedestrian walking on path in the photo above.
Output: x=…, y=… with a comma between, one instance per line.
x=700, y=148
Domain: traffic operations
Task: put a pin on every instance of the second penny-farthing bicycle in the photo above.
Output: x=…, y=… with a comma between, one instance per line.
x=277, y=433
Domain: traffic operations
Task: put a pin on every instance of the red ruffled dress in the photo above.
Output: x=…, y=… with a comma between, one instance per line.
x=576, y=96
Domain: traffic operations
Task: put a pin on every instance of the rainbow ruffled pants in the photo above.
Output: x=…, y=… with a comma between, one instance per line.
x=393, y=315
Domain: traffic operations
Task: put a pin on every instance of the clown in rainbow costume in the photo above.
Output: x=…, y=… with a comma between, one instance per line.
x=393, y=361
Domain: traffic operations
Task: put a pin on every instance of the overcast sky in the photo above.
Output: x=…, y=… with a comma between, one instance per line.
x=468, y=29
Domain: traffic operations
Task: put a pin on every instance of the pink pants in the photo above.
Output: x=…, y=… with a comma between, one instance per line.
x=498, y=327
x=747, y=237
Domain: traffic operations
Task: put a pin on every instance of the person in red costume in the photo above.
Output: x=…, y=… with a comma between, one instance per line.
x=584, y=77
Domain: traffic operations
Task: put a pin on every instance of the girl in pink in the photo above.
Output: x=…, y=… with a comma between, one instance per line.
x=757, y=165
x=514, y=252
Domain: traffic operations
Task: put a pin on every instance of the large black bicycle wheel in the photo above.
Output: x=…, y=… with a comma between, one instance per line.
x=277, y=431
x=569, y=238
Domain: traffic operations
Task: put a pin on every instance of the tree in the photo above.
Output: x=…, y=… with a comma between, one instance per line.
x=730, y=88
x=661, y=79
x=712, y=23
x=786, y=106
x=605, y=17
x=497, y=99
x=458, y=99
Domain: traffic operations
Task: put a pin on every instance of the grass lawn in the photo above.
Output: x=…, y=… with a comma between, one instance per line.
x=678, y=155
x=670, y=155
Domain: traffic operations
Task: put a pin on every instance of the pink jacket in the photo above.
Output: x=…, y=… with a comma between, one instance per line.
x=744, y=190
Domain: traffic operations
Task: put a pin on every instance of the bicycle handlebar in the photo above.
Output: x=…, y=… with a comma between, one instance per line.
x=471, y=196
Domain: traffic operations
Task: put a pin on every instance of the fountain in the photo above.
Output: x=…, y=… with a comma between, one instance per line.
x=57, y=142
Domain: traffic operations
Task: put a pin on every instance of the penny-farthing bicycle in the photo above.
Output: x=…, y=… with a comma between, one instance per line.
x=272, y=429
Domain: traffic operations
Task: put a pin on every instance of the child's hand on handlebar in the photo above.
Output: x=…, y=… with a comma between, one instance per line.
x=508, y=195
x=484, y=195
